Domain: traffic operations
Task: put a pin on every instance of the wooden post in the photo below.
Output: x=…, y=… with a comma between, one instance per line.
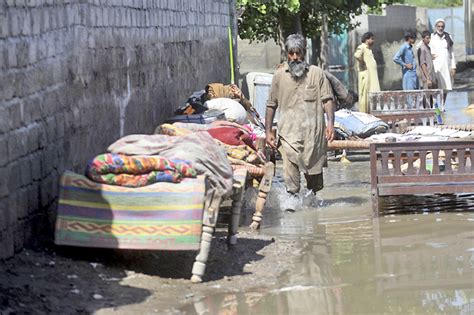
x=199, y=266
x=237, y=196
x=264, y=189
x=373, y=180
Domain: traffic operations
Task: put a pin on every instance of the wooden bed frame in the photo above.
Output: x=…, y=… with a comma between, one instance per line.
x=452, y=168
x=401, y=109
x=89, y=216
x=211, y=212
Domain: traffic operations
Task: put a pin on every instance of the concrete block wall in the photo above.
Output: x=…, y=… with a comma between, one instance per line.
x=76, y=75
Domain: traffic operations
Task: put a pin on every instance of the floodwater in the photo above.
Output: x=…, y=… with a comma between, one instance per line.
x=456, y=108
x=417, y=257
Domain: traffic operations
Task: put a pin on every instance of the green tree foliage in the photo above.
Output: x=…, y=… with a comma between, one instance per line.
x=261, y=20
x=264, y=19
x=432, y=3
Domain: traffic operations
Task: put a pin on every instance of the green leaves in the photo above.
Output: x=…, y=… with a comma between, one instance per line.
x=264, y=19
x=262, y=9
x=293, y=5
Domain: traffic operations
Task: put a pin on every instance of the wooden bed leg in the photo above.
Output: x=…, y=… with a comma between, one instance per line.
x=235, y=214
x=264, y=189
x=199, y=266
x=375, y=205
x=258, y=215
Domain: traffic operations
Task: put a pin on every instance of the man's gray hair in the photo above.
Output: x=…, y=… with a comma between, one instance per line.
x=296, y=42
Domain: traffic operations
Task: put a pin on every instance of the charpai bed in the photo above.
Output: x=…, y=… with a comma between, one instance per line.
x=401, y=109
x=162, y=216
x=420, y=168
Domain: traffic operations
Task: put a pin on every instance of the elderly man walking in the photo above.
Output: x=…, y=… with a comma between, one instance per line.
x=303, y=95
x=443, y=57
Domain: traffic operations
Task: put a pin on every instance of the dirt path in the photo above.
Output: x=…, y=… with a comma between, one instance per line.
x=81, y=280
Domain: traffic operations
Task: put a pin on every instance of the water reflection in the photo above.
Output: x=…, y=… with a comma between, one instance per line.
x=428, y=259
x=407, y=264
x=456, y=108
x=417, y=258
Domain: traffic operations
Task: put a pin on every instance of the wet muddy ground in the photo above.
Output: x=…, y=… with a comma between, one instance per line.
x=328, y=257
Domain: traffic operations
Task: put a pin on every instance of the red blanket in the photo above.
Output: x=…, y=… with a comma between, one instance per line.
x=231, y=136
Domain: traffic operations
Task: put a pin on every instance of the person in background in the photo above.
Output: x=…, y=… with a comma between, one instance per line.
x=343, y=97
x=303, y=96
x=443, y=57
x=406, y=59
x=367, y=66
x=425, y=62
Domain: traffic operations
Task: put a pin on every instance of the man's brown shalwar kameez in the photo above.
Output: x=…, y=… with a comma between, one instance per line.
x=301, y=125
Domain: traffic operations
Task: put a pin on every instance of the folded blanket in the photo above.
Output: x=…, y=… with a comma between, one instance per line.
x=137, y=171
x=199, y=148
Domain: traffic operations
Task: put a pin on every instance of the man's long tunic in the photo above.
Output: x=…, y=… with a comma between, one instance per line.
x=301, y=125
x=368, y=77
x=443, y=61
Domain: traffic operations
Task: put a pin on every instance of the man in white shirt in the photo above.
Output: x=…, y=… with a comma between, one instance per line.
x=443, y=57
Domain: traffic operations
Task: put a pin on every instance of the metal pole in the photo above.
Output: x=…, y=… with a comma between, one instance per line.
x=231, y=56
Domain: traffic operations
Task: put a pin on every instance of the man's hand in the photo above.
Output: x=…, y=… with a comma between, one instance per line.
x=330, y=133
x=329, y=110
x=453, y=72
x=270, y=140
x=429, y=83
x=409, y=65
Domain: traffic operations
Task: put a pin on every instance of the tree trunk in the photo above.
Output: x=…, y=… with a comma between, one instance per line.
x=324, y=52
x=281, y=36
x=315, y=50
x=297, y=28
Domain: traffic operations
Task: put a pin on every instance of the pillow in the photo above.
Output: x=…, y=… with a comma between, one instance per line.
x=232, y=109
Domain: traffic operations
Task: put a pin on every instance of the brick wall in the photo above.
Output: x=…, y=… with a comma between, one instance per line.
x=75, y=75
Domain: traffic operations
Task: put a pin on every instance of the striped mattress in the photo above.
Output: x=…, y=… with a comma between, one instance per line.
x=162, y=216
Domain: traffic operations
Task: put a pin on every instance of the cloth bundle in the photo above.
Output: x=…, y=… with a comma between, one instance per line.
x=199, y=148
x=233, y=111
x=194, y=104
x=137, y=171
x=348, y=124
x=232, y=91
x=231, y=136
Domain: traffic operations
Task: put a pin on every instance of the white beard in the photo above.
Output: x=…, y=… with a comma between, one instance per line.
x=297, y=68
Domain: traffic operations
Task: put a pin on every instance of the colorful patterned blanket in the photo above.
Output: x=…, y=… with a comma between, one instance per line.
x=162, y=216
x=137, y=171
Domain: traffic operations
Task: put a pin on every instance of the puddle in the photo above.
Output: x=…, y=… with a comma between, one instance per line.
x=457, y=111
x=397, y=264
x=416, y=258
